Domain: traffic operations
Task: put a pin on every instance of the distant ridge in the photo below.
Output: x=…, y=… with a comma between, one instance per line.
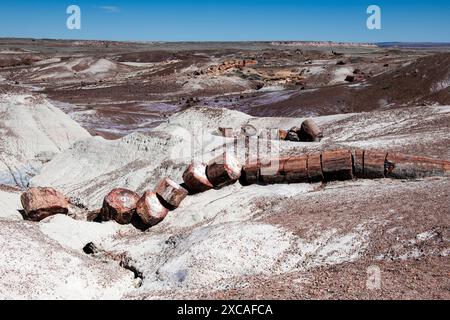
x=413, y=44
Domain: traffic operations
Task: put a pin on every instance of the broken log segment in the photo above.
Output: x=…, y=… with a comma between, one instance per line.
x=119, y=205
x=310, y=131
x=250, y=173
x=337, y=165
x=282, y=134
x=272, y=171
x=296, y=169
x=374, y=164
x=315, y=173
x=171, y=193
x=40, y=203
x=195, y=178
x=223, y=170
x=401, y=166
x=292, y=136
x=150, y=210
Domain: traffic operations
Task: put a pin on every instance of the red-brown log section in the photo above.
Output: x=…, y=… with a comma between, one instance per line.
x=40, y=203
x=315, y=173
x=119, y=205
x=374, y=164
x=272, y=171
x=150, y=210
x=403, y=166
x=171, y=192
x=296, y=169
x=250, y=173
x=337, y=165
x=223, y=170
x=282, y=134
x=195, y=178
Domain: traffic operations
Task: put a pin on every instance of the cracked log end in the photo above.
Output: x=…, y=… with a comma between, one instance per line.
x=337, y=165
x=195, y=178
x=403, y=166
x=119, y=205
x=40, y=203
x=150, y=210
x=171, y=192
x=315, y=167
x=295, y=169
x=223, y=170
x=310, y=131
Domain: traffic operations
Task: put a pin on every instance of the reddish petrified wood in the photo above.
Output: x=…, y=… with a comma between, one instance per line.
x=402, y=166
x=93, y=215
x=315, y=173
x=40, y=203
x=223, y=170
x=296, y=169
x=195, y=178
x=337, y=165
x=310, y=131
x=282, y=134
x=374, y=164
x=250, y=173
x=150, y=210
x=170, y=192
x=358, y=163
x=272, y=171
x=119, y=205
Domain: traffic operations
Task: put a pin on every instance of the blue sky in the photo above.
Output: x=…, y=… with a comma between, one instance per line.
x=234, y=20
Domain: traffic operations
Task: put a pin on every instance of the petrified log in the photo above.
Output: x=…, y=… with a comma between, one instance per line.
x=226, y=132
x=93, y=215
x=374, y=164
x=403, y=166
x=310, y=131
x=250, y=173
x=296, y=169
x=195, y=178
x=337, y=165
x=40, y=203
x=358, y=163
x=292, y=136
x=223, y=170
x=171, y=193
x=119, y=205
x=272, y=171
x=315, y=173
x=150, y=210
x=282, y=134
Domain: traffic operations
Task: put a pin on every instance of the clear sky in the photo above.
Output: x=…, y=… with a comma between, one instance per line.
x=209, y=20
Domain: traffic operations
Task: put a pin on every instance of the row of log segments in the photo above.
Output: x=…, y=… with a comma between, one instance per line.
x=342, y=165
x=126, y=206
